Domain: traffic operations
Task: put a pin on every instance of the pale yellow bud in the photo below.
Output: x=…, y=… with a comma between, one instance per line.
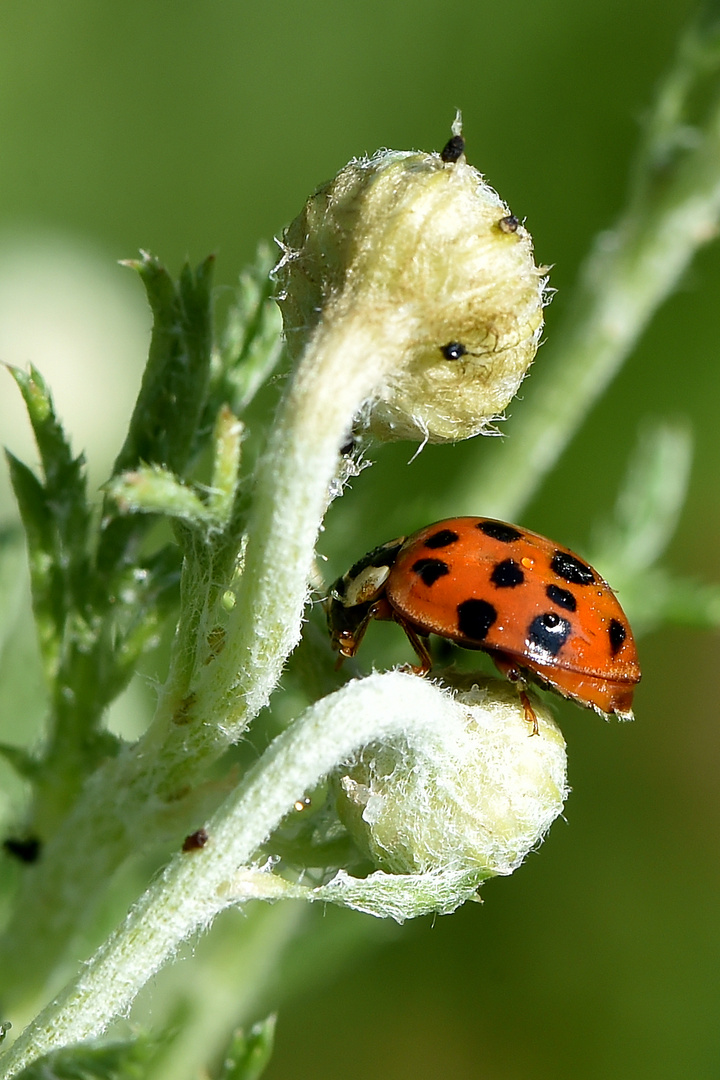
x=476, y=800
x=426, y=248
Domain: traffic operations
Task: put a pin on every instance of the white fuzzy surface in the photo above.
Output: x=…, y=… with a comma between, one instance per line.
x=479, y=795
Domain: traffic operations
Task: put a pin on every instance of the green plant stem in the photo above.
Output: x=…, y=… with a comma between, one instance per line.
x=674, y=209
x=197, y=886
x=348, y=356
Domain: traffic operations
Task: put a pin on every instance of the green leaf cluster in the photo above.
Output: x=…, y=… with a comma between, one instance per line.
x=105, y=579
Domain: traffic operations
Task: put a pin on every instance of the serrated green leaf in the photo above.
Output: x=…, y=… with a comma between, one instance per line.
x=165, y=420
x=32, y=503
x=64, y=475
x=51, y=442
x=151, y=489
x=251, y=346
x=56, y=517
x=247, y=1056
x=44, y=556
x=126, y=1060
x=168, y=412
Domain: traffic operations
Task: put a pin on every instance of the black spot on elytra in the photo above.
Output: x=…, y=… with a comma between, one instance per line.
x=570, y=568
x=562, y=597
x=498, y=530
x=429, y=570
x=548, y=632
x=617, y=634
x=453, y=149
x=507, y=574
x=475, y=617
x=442, y=538
x=453, y=350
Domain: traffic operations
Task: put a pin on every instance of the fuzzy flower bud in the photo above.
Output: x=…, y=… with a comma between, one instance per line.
x=476, y=801
x=424, y=247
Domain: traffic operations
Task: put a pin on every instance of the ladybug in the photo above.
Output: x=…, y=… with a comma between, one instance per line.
x=538, y=609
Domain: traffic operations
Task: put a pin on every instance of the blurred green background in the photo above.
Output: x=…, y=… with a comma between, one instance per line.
x=186, y=128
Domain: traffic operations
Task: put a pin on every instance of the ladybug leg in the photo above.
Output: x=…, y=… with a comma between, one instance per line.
x=512, y=675
x=348, y=641
x=530, y=714
x=421, y=650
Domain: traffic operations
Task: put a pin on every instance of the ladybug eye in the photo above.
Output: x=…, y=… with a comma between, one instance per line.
x=453, y=350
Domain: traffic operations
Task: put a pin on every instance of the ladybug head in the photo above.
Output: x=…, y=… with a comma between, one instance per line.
x=354, y=596
x=345, y=623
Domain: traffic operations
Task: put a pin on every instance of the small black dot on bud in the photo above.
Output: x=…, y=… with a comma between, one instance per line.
x=509, y=224
x=453, y=350
x=453, y=149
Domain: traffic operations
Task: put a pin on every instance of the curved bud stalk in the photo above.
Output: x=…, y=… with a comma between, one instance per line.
x=437, y=730
x=439, y=806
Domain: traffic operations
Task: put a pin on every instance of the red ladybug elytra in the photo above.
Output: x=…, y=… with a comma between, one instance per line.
x=537, y=608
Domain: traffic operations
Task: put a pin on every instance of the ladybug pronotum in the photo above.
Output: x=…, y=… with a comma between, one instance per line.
x=539, y=610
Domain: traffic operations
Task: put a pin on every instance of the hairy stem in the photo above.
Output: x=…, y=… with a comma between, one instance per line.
x=347, y=358
x=197, y=886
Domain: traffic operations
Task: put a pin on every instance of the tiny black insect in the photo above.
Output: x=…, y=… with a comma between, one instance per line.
x=196, y=840
x=509, y=224
x=453, y=149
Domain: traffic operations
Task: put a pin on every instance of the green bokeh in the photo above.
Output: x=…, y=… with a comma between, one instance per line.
x=194, y=127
